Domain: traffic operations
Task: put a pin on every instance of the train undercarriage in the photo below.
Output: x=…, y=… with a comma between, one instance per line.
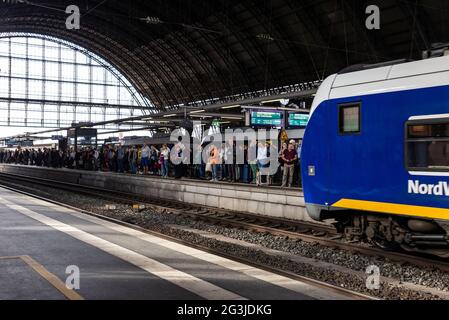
x=391, y=232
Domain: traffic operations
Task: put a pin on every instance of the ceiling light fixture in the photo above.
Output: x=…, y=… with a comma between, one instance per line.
x=265, y=37
x=152, y=20
x=197, y=111
x=271, y=101
x=231, y=107
x=232, y=118
x=200, y=116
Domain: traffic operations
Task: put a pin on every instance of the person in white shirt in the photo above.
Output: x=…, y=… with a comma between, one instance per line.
x=165, y=156
x=262, y=155
x=263, y=161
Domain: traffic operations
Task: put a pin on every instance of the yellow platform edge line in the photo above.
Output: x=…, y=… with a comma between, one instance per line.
x=394, y=208
x=11, y=258
x=51, y=278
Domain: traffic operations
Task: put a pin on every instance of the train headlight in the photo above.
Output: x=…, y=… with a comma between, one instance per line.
x=312, y=171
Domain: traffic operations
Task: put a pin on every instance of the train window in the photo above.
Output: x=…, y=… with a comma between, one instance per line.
x=427, y=146
x=349, y=118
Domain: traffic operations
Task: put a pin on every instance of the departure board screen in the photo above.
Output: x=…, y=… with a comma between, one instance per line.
x=298, y=120
x=267, y=118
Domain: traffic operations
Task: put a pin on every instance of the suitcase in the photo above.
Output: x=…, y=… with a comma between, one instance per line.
x=263, y=180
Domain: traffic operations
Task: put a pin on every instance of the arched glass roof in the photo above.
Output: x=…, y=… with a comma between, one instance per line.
x=47, y=82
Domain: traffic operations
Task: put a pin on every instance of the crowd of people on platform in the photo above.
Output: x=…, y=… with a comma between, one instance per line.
x=153, y=160
x=36, y=157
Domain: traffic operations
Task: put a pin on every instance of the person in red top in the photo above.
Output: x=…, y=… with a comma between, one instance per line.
x=289, y=156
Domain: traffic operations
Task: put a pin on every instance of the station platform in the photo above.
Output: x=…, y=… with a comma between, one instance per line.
x=267, y=201
x=41, y=241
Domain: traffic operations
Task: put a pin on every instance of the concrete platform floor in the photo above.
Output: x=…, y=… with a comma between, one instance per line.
x=40, y=240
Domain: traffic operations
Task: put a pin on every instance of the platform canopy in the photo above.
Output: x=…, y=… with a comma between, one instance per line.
x=196, y=50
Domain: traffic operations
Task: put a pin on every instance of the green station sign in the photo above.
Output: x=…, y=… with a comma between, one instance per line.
x=298, y=120
x=266, y=118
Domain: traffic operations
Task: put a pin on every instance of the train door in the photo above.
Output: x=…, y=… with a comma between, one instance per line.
x=346, y=152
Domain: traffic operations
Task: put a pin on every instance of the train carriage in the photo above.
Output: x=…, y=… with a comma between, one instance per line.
x=376, y=154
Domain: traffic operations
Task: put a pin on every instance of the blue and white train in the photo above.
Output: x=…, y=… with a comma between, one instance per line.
x=376, y=154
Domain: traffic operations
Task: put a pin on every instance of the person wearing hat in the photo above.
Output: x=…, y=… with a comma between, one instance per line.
x=290, y=156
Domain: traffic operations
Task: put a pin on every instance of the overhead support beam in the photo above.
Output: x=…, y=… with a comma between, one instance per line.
x=310, y=22
x=420, y=37
x=136, y=129
x=70, y=103
x=180, y=113
x=355, y=12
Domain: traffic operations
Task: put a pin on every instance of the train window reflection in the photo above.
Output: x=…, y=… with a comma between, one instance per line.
x=350, y=118
x=428, y=146
x=440, y=130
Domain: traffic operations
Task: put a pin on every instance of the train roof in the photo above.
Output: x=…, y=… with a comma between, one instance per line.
x=399, y=76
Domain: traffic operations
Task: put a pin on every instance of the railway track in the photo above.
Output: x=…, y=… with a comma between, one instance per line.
x=303, y=231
